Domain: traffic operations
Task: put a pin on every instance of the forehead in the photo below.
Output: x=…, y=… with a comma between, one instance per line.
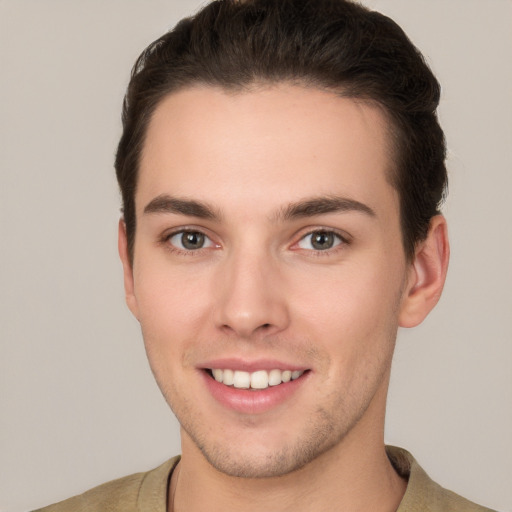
x=251, y=149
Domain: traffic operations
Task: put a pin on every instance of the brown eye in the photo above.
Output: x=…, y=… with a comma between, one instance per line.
x=320, y=240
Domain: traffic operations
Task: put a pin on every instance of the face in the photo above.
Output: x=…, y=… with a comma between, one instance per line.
x=268, y=256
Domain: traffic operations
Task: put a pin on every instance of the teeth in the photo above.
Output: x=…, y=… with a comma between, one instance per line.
x=286, y=376
x=228, y=377
x=274, y=377
x=260, y=379
x=242, y=380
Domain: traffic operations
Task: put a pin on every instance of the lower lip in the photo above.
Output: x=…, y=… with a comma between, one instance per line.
x=249, y=401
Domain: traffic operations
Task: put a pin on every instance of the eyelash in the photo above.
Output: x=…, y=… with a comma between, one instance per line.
x=343, y=239
x=166, y=237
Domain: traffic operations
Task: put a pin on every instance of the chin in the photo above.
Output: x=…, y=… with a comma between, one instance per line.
x=243, y=465
x=262, y=458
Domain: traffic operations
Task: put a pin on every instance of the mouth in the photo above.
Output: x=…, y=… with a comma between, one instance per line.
x=253, y=387
x=257, y=380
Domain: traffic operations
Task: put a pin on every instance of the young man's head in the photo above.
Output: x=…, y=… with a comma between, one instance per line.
x=331, y=45
x=281, y=168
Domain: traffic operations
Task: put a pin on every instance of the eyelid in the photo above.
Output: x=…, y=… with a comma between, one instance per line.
x=343, y=236
x=167, y=235
x=206, y=239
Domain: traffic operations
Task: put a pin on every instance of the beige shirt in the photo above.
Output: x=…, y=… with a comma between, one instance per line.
x=147, y=492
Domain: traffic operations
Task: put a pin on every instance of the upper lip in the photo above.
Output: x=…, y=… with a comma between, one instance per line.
x=234, y=363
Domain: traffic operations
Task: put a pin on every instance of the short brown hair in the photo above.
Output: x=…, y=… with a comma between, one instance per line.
x=336, y=45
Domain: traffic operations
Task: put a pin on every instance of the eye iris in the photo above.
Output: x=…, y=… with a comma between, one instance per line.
x=322, y=240
x=192, y=240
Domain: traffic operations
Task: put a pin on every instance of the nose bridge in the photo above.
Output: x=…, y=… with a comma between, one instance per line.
x=250, y=297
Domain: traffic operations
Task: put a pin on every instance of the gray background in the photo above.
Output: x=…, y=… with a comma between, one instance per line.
x=78, y=403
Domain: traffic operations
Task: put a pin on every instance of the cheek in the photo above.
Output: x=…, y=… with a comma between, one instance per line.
x=172, y=318
x=353, y=309
x=172, y=305
x=358, y=291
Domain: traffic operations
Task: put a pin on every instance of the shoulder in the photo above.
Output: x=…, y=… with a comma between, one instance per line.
x=138, y=492
x=423, y=494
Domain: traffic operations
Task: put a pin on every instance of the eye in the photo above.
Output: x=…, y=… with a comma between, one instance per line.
x=190, y=240
x=320, y=240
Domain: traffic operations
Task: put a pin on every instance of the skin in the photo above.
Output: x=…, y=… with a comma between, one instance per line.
x=258, y=289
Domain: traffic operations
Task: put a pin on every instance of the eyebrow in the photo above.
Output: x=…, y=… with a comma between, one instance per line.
x=323, y=205
x=305, y=208
x=167, y=204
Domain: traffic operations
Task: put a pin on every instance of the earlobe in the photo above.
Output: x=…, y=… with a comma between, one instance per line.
x=427, y=274
x=129, y=288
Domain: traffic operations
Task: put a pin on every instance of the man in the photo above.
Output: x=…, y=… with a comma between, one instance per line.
x=281, y=168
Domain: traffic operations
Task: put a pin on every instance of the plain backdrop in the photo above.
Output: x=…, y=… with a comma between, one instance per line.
x=78, y=405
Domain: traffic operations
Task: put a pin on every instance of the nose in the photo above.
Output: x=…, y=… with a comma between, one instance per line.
x=250, y=296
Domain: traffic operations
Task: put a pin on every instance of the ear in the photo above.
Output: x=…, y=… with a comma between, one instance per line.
x=427, y=274
x=129, y=288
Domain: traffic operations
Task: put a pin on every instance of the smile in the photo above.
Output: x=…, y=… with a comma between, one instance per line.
x=260, y=379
